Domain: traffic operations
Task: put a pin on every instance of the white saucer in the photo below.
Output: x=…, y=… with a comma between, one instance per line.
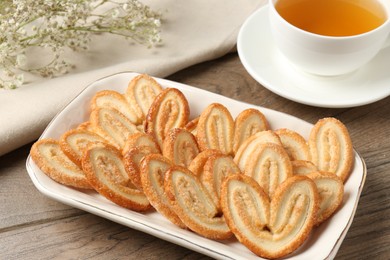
x=269, y=67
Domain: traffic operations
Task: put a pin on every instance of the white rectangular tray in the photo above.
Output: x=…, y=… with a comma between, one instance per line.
x=323, y=242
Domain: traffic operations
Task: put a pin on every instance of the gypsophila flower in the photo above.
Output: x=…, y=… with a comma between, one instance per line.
x=56, y=25
x=115, y=13
x=21, y=60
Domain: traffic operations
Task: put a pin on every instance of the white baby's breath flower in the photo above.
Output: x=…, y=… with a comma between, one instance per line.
x=19, y=80
x=9, y=73
x=115, y=13
x=21, y=60
x=157, y=22
x=58, y=25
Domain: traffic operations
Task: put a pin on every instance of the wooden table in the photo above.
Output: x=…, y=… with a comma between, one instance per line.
x=33, y=226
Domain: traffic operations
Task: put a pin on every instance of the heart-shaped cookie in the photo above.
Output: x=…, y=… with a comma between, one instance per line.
x=170, y=109
x=141, y=92
x=215, y=170
x=270, y=228
x=73, y=143
x=294, y=144
x=114, y=100
x=87, y=126
x=153, y=169
x=140, y=139
x=105, y=171
x=132, y=160
x=331, y=191
x=269, y=165
x=303, y=167
x=180, y=147
x=193, y=204
x=197, y=164
x=49, y=157
x=192, y=125
x=331, y=147
x=247, y=123
x=215, y=129
x=112, y=126
x=251, y=144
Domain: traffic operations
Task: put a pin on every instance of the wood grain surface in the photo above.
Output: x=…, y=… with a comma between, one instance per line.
x=33, y=226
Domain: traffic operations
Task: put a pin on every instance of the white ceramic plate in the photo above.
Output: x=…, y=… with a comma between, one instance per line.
x=270, y=68
x=322, y=244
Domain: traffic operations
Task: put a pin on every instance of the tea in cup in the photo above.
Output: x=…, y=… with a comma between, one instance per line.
x=329, y=37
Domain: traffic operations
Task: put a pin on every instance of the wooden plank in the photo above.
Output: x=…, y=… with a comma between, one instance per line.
x=20, y=202
x=86, y=237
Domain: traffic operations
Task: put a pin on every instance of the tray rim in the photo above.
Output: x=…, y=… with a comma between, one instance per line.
x=149, y=229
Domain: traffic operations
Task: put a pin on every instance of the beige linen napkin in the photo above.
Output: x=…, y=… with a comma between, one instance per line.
x=193, y=31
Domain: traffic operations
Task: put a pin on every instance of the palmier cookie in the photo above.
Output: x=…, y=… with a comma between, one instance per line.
x=49, y=157
x=331, y=191
x=87, y=126
x=73, y=143
x=141, y=92
x=105, y=171
x=215, y=129
x=251, y=144
x=331, y=147
x=132, y=159
x=114, y=100
x=247, y=123
x=140, y=139
x=153, y=168
x=169, y=110
x=197, y=164
x=270, y=228
x=193, y=204
x=269, y=165
x=216, y=169
x=294, y=144
x=303, y=167
x=112, y=125
x=192, y=125
x=180, y=147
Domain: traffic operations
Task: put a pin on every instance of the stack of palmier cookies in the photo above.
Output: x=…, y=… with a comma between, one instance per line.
x=216, y=175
